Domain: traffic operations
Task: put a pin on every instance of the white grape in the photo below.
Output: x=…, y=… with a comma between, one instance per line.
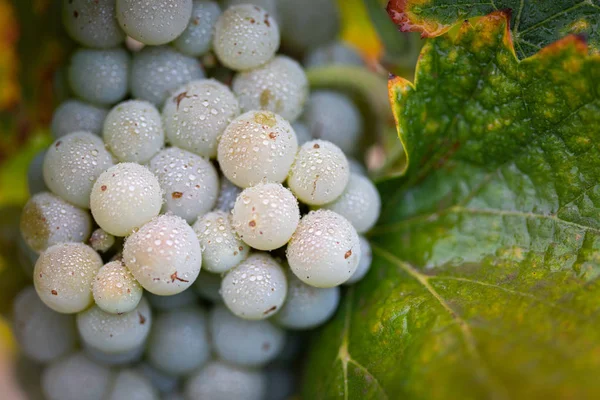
x=279, y=86
x=333, y=53
x=308, y=23
x=208, y=286
x=72, y=165
x=101, y=241
x=92, y=23
x=265, y=216
x=302, y=133
x=115, y=290
x=196, y=115
x=47, y=220
x=360, y=203
x=115, y=333
x=100, y=76
x=243, y=342
x=114, y=359
x=306, y=306
x=132, y=385
x=258, y=146
x=35, y=174
x=256, y=288
x=333, y=117
x=269, y=6
x=320, y=173
x=221, y=247
x=64, y=274
x=189, y=182
x=164, y=255
x=179, y=341
x=74, y=116
x=154, y=22
x=364, y=264
x=246, y=36
x=163, y=382
x=133, y=131
x=158, y=71
x=43, y=334
x=124, y=198
x=221, y=381
x=76, y=377
x=325, y=250
x=197, y=38
x=227, y=195
x=176, y=301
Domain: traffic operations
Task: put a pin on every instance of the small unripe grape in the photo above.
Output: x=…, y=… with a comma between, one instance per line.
x=114, y=359
x=43, y=334
x=47, y=220
x=360, y=203
x=92, y=23
x=35, y=174
x=333, y=53
x=258, y=146
x=325, y=250
x=243, y=342
x=158, y=71
x=164, y=255
x=319, y=174
x=197, y=38
x=256, y=288
x=100, y=76
x=302, y=133
x=76, y=116
x=165, y=383
x=179, y=342
x=76, y=377
x=279, y=86
x=115, y=290
x=308, y=23
x=266, y=215
x=364, y=264
x=189, y=182
x=246, y=36
x=131, y=385
x=124, y=198
x=174, y=302
x=72, y=165
x=154, y=22
x=101, y=241
x=222, y=381
x=196, y=115
x=221, y=247
x=333, y=117
x=306, y=306
x=115, y=333
x=133, y=131
x=227, y=195
x=208, y=286
x=64, y=274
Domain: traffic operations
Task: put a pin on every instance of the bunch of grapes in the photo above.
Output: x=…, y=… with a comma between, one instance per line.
x=186, y=225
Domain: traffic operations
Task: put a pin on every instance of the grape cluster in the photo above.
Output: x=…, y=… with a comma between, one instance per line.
x=187, y=224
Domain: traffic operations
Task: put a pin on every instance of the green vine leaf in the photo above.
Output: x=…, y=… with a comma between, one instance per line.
x=484, y=283
x=535, y=23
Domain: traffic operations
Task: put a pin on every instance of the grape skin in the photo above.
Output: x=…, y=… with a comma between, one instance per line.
x=154, y=22
x=164, y=383
x=115, y=290
x=92, y=23
x=265, y=216
x=164, y=255
x=114, y=359
x=246, y=36
x=243, y=342
x=74, y=115
x=227, y=195
x=115, y=333
x=101, y=240
x=258, y=146
x=221, y=381
x=43, y=334
x=307, y=24
x=158, y=71
x=64, y=274
x=325, y=250
x=189, y=182
x=332, y=53
x=208, y=287
x=47, y=220
x=364, y=264
x=302, y=132
x=72, y=165
x=197, y=38
x=124, y=198
x=280, y=86
x=174, y=302
x=133, y=131
x=196, y=115
x=256, y=288
x=131, y=385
